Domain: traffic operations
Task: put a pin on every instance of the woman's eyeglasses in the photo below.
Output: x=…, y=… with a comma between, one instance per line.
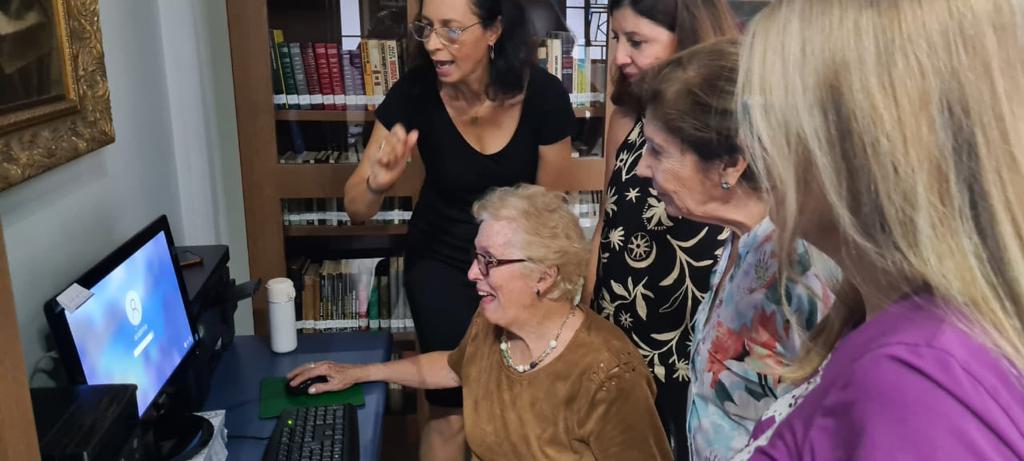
x=448, y=35
x=488, y=262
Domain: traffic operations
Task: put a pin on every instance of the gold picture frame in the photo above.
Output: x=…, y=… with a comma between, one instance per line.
x=72, y=117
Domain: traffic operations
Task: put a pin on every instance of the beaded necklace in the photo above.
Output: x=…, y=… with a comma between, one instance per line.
x=507, y=356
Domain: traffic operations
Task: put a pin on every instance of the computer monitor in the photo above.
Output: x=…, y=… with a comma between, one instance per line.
x=134, y=328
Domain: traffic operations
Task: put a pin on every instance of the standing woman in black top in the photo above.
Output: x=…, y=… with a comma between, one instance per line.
x=649, y=271
x=480, y=114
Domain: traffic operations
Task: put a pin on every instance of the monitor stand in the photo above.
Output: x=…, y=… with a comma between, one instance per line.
x=180, y=436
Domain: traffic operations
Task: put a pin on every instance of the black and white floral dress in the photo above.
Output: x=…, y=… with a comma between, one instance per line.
x=653, y=273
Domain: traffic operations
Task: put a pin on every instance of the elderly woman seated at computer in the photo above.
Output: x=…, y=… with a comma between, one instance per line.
x=541, y=377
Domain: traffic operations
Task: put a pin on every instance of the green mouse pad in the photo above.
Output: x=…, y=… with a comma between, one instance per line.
x=274, y=398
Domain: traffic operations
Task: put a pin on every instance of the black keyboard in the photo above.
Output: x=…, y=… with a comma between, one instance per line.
x=315, y=433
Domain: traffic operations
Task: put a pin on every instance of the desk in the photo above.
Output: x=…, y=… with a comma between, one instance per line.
x=235, y=385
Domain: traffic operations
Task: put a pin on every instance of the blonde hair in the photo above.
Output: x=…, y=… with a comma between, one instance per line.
x=908, y=121
x=549, y=235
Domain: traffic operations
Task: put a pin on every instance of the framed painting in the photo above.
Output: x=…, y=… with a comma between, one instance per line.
x=54, y=98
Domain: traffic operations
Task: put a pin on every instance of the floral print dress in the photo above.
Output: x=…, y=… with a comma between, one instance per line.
x=746, y=335
x=652, y=275
x=654, y=269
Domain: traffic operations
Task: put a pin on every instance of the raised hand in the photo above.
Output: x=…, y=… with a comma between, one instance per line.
x=391, y=158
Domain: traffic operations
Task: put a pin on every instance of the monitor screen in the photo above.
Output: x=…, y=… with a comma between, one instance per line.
x=134, y=328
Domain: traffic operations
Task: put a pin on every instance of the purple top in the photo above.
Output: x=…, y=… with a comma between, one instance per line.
x=908, y=384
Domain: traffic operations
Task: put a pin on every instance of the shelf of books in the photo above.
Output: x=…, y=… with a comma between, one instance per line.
x=308, y=76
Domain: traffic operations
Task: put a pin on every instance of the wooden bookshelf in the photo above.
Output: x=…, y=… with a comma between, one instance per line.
x=266, y=182
x=362, y=116
x=341, y=231
x=367, y=116
x=404, y=336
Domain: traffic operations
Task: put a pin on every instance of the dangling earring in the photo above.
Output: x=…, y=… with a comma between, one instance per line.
x=492, y=51
x=726, y=185
x=538, y=293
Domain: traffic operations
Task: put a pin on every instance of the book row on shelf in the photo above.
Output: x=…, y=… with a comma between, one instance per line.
x=331, y=211
x=555, y=54
x=322, y=76
x=346, y=146
x=320, y=156
x=351, y=294
x=398, y=210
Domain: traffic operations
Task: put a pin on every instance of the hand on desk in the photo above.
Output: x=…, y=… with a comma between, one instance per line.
x=339, y=376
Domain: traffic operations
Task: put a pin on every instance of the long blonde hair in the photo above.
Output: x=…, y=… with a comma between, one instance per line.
x=907, y=117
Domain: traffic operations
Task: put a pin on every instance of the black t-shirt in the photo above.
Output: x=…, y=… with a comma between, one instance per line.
x=442, y=225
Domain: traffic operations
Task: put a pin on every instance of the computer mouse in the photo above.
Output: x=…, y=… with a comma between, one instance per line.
x=303, y=387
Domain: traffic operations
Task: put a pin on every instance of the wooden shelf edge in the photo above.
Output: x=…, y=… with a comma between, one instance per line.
x=344, y=231
x=325, y=115
x=589, y=112
x=403, y=336
x=368, y=116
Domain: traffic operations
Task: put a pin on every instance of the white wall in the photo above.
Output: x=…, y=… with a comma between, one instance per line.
x=176, y=153
x=197, y=59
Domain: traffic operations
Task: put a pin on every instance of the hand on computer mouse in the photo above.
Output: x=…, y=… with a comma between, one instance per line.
x=334, y=376
x=303, y=387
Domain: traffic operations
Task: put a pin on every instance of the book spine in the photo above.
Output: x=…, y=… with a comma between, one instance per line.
x=393, y=72
x=377, y=68
x=280, y=100
x=348, y=72
x=291, y=90
x=385, y=71
x=580, y=81
x=316, y=100
x=300, y=75
x=337, y=82
x=556, y=59
x=542, y=56
x=364, y=55
x=323, y=72
x=567, y=65
x=384, y=283
x=358, y=79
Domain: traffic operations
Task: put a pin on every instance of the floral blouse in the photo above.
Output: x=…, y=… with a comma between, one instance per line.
x=747, y=334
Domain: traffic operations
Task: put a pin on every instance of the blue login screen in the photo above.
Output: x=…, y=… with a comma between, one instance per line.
x=134, y=328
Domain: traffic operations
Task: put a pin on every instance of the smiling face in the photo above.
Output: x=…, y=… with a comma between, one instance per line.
x=640, y=42
x=466, y=57
x=509, y=289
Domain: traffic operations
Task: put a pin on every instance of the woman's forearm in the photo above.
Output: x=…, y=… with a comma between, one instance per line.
x=424, y=371
x=360, y=203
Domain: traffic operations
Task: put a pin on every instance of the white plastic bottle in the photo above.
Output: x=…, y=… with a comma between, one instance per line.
x=281, y=297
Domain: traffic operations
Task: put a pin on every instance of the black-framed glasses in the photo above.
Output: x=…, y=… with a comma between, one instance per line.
x=448, y=35
x=488, y=262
